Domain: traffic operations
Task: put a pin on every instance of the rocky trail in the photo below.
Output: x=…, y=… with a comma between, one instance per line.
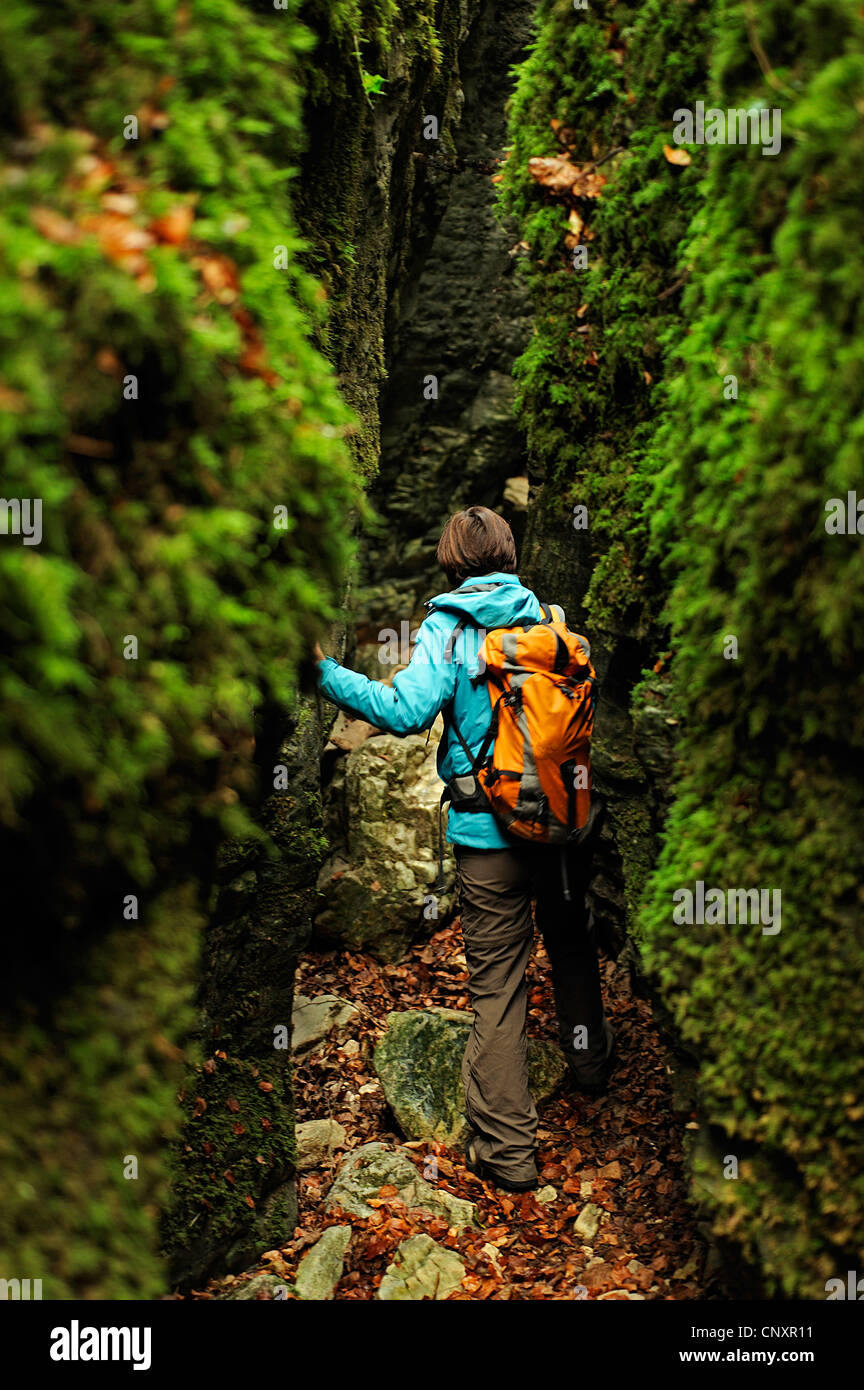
x=610, y=1220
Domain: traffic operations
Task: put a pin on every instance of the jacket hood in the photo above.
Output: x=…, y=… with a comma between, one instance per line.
x=492, y=600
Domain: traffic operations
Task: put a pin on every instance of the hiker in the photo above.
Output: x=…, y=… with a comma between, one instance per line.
x=498, y=874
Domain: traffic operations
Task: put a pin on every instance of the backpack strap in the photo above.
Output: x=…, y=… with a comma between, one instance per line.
x=451, y=640
x=552, y=613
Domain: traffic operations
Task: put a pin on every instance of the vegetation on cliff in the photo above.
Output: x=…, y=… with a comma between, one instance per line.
x=707, y=522
x=163, y=397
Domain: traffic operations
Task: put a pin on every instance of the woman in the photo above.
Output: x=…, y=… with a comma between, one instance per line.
x=498, y=876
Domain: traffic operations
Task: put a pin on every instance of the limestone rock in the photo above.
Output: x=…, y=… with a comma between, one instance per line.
x=517, y=492
x=262, y=1283
x=321, y=1267
x=587, y=1223
x=316, y=1140
x=378, y=885
x=312, y=1020
x=419, y=1061
x=421, y=1269
x=366, y=1170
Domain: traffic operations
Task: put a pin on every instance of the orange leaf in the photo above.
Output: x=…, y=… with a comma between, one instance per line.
x=559, y=175
x=53, y=226
x=174, y=226
x=219, y=274
x=119, y=239
x=676, y=156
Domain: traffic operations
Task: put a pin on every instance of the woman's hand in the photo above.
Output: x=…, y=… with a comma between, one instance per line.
x=317, y=654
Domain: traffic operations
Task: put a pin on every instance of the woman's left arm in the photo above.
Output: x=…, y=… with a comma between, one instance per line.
x=416, y=695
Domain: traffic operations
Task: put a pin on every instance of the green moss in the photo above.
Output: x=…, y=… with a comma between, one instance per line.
x=237, y=1152
x=158, y=511
x=769, y=794
x=708, y=515
x=158, y=524
x=89, y=1084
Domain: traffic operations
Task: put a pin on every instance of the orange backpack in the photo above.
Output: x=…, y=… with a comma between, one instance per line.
x=533, y=768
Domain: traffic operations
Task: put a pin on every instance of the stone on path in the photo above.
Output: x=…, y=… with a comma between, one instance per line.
x=321, y=1267
x=587, y=1223
x=419, y=1062
x=261, y=1283
x=421, y=1269
x=316, y=1140
x=312, y=1020
x=366, y=1170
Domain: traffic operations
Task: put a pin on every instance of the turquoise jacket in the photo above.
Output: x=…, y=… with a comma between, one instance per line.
x=418, y=693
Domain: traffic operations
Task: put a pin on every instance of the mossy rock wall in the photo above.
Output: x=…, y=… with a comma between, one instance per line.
x=168, y=382
x=459, y=314
x=706, y=517
x=90, y=1078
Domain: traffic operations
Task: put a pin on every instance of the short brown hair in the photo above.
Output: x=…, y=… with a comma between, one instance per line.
x=476, y=541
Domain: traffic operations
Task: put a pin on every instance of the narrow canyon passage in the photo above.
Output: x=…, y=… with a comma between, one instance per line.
x=459, y=317
x=286, y=288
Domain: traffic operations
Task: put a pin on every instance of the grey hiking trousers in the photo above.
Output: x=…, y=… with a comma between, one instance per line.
x=496, y=888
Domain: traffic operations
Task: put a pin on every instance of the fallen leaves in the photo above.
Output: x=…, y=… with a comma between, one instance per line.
x=559, y=175
x=621, y=1151
x=562, y=178
x=126, y=236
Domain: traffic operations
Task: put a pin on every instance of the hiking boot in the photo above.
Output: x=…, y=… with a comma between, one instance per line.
x=593, y=1079
x=481, y=1169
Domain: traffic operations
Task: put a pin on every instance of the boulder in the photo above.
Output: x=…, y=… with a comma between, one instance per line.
x=378, y=885
x=316, y=1140
x=419, y=1060
x=421, y=1269
x=321, y=1267
x=366, y=1170
x=312, y=1020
